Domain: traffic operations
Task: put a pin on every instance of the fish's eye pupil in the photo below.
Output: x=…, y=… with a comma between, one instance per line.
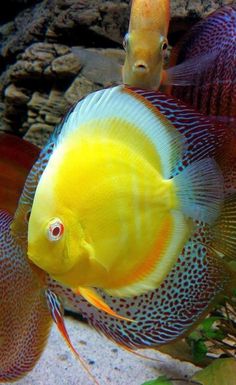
x=164, y=46
x=55, y=230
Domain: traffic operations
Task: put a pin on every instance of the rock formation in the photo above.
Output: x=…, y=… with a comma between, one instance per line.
x=42, y=75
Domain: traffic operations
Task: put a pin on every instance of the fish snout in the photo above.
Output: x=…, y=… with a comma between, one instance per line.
x=140, y=66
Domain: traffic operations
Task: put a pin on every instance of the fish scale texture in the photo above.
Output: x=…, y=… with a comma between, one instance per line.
x=167, y=312
x=24, y=319
x=214, y=91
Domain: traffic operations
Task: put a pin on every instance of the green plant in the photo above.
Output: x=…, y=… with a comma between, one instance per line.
x=216, y=335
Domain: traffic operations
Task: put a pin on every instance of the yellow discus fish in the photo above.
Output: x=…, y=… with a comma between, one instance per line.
x=115, y=204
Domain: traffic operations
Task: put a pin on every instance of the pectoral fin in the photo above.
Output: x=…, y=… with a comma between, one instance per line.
x=96, y=300
x=187, y=72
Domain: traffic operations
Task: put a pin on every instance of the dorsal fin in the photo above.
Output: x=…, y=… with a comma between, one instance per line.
x=121, y=114
x=16, y=159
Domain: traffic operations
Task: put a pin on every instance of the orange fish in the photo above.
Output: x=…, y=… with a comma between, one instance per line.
x=146, y=45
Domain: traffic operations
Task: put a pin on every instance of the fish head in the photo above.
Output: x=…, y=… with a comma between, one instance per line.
x=54, y=232
x=145, y=52
x=58, y=241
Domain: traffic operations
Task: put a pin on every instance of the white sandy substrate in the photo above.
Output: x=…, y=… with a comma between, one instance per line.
x=110, y=364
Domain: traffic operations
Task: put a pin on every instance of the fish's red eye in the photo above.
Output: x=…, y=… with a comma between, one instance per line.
x=55, y=230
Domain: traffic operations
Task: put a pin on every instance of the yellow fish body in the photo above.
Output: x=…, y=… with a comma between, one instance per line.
x=107, y=212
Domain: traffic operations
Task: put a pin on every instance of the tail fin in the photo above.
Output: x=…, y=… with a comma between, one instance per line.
x=200, y=190
x=16, y=159
x=224, y=230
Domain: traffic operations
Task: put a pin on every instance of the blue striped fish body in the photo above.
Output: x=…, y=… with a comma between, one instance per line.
x=163, y=315
x=213, y=91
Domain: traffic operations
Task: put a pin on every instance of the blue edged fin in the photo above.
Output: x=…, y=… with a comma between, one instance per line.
x=200, y=190
x=224, y=231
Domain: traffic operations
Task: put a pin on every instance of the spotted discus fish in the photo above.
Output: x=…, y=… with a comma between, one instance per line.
x=131, y=209
x=24, y=318
x=202, y=142
x=213, y=92
x=199, y=276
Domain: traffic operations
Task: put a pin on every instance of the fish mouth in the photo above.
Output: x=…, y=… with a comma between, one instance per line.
x=140, y=66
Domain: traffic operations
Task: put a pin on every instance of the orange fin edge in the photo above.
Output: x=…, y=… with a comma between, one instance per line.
x=96, y=300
